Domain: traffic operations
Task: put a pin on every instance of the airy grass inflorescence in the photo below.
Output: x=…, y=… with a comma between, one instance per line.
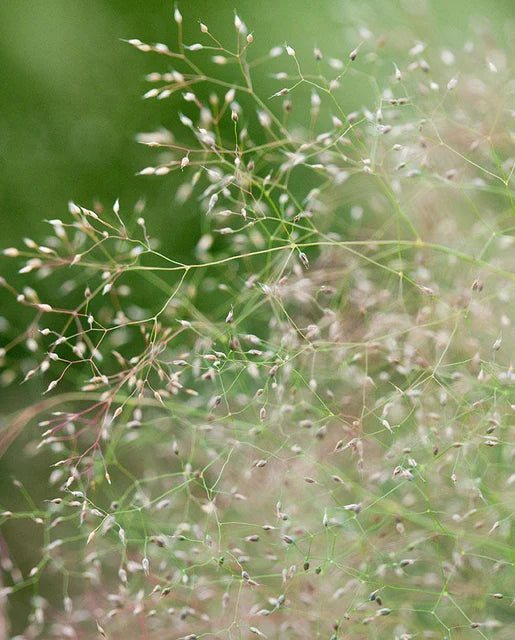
x=305, y=431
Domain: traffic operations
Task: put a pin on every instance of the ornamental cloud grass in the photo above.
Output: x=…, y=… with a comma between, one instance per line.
x=305, y=430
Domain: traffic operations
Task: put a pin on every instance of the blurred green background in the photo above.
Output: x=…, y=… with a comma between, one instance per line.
x=71, y=108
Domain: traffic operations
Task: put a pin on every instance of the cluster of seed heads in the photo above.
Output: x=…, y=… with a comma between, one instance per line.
x=308, y=432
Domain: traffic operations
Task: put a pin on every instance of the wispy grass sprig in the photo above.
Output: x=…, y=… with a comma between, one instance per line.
x=305, y=429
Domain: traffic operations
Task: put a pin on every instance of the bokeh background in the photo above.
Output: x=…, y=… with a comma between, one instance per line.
x=71, y=108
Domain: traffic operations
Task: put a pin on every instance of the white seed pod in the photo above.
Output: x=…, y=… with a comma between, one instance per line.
x=452, y=84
